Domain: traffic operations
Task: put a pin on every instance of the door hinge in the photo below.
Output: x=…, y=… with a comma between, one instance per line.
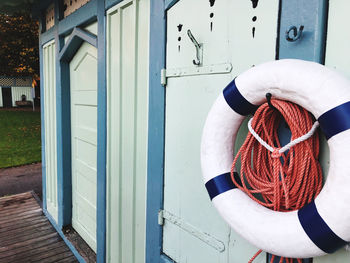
x=163, y=77
x=160, y=218
x=194, y=231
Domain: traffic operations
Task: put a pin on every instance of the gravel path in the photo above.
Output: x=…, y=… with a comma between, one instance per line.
x=21, y=179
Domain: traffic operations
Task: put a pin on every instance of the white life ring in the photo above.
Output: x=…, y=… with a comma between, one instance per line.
x=320, y=227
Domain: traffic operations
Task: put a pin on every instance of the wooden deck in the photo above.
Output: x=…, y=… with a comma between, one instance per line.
x=26, y=235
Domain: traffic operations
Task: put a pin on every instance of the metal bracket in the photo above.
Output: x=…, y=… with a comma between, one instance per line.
x=163, y=77
x=193, y=71
x=160, y=218
x=205, y=237
x=296, y=33
x=199, y=49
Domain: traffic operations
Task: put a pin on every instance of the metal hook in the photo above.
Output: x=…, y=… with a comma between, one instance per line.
x=196, y=61
x=296, y=33
x=268, y=99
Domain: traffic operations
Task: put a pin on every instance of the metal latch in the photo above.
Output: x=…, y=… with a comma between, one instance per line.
x=194, y=71
x=163, y=77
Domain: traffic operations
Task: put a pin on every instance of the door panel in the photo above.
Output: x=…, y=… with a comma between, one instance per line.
x=49, y=96
x=83, y=85
x=230, y=37
x=127, y=129
x=312, y=15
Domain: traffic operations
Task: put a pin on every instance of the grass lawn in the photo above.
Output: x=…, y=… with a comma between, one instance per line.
x=20, y=141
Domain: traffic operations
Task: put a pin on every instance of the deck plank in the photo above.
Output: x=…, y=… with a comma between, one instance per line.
x=70, y=259
x=32, y=252
x=24, y=227
x=16, y=223
x=39, y=244
x=26, y=235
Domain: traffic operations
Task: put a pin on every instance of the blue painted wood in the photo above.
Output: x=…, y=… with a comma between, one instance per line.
x=64, y=53
x=42, y=112
x=312, y=14
x=156, y=122
x=110, y=3
x=74, y=42
x=64, y=177
x=170, y=3
x=47, y=36
x=101, y=135
x=68, y=243
x=83, y=16
x=166, y=259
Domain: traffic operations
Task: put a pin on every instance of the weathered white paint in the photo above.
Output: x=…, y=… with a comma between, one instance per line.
x=337, y=54
x=17, y=93
x=92, y=28
x=338, y=42
x=83, y=90
x=188, y=100
x=127, y=109
x=49, y=97
x=205, y=237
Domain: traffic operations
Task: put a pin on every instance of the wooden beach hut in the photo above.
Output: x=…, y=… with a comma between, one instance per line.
x=126, y=87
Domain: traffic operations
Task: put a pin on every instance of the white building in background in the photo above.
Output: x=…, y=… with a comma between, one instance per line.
x=14, y=89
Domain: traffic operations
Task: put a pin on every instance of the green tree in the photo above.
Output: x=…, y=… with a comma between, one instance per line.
x=19, y=54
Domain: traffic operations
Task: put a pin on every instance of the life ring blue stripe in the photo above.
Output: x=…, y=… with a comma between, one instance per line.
x=335, y=120
x=317, y=229
x=219, y=185
x=236, y=101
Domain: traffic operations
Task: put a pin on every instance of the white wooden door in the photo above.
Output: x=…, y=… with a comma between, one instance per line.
x=235, y=35
x=50, y=128
x=83, y=85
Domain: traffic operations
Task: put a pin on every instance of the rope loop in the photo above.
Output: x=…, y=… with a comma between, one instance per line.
x=280, y=178
x=287, y=146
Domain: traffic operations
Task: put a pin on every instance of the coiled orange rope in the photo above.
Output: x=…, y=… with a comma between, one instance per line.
x=280, y=181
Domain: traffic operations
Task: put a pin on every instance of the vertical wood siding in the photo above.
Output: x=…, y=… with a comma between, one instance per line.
x=17, y=93
x=127, y=109
x=49, y=83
